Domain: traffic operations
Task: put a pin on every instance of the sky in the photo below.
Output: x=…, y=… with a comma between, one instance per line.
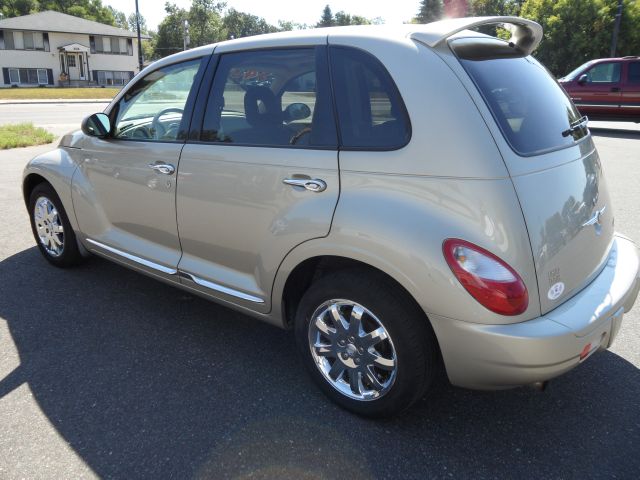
x=300, y=11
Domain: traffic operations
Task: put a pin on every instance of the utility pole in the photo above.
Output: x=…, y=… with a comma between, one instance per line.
x=616, y=29
x=185, y=36
x=140, y=62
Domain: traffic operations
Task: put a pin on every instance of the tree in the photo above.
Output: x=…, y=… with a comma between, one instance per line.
x=170, y=31
x=326, y=20
x=131, y=24
x=205, y=22
x=430, y=11
x=240, y=24
x=343, y=19
x=483, y=8
x=120, y=19
x=286, y=26
x=16, y=8
x=576, y=31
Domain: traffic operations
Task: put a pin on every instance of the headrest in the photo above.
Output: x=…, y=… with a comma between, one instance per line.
x=261, y=107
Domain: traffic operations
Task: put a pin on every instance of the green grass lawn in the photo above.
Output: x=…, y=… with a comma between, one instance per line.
x=23, y=135
x=56, y=93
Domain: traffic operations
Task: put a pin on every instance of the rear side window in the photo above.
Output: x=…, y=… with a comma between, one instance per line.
x=634, y=72
x=277, y=98
x=371, y=113
x=532, y=110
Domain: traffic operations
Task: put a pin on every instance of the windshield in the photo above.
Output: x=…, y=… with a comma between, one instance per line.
x=532, y=110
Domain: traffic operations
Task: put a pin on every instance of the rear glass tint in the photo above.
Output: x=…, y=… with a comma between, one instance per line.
x=533, y=111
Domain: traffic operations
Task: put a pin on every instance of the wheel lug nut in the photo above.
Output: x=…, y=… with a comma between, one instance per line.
x=361, y=350
x=351, y=339
x=357, y=361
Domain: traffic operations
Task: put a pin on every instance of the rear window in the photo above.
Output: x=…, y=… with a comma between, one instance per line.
x=533, y=111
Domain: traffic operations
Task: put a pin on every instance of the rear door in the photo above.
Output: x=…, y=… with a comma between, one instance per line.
x=262, y=174
x=631, y=91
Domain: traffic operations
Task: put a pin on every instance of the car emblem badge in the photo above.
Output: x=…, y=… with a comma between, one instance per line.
x=555, y=291
x=595, y=220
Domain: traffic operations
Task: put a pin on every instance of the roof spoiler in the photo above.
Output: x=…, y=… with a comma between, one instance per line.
x=525, y=34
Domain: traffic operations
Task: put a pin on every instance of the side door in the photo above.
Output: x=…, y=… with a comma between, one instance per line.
x=630, y=105
x=602, y=92
x=124, y=190
x=261, y=175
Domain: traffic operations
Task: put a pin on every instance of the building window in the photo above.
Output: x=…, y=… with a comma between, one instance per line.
x=107, y=77
x=15, y=40
x=28, y=76
x=71, y=60
x=111, y=45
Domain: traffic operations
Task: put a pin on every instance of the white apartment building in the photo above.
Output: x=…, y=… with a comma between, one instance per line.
x=52, y=48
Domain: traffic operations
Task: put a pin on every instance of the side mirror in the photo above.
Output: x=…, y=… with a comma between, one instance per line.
x=582, y=79
x=96, y=125
x=296, y=111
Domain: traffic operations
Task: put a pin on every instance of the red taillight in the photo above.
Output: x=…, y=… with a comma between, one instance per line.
x=488, y=279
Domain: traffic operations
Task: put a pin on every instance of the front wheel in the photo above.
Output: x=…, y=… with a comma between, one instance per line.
x=51, y=228
x=366, y=343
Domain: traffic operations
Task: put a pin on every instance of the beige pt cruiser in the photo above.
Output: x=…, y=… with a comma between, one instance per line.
x=409, y=199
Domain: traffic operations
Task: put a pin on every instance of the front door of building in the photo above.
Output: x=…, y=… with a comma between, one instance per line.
x=76, y=66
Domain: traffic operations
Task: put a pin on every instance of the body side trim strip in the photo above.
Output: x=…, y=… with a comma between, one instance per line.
x=134, y=258
x=219, y=288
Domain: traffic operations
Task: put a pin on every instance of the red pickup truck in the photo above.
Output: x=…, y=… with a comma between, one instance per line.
x=606, y=88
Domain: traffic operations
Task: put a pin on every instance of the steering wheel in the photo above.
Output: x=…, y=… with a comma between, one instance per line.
x=299, y=135
x=157, y=126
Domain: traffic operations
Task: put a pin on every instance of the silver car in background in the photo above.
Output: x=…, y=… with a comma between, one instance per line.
x=406, y=198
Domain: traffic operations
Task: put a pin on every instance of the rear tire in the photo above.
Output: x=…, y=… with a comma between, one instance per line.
x=51, y=228
x=369, y=348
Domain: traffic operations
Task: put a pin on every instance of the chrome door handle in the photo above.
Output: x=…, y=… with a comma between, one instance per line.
x=165, y=168
x=311, y=184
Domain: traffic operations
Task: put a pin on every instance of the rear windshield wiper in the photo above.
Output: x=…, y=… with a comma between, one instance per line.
x=575, y=126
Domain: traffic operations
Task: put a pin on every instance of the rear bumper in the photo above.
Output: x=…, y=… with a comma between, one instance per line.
x=502, y=356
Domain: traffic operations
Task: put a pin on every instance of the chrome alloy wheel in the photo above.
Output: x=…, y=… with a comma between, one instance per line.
x=352, y=349
x=49, y=226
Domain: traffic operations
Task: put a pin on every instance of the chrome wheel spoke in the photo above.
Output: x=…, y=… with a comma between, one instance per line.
x=375, y=337
x=375, y=383
x=324, y=350
x=324, y=328
x=338, y=319
x=337, y=369
x=355, y=382
x=355, y=321
x=383, y=363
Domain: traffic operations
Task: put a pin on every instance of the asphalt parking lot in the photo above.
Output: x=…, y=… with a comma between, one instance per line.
x=107, y=373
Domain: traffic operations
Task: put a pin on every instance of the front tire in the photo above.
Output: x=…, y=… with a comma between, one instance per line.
x=51, y=228
x=366, y=343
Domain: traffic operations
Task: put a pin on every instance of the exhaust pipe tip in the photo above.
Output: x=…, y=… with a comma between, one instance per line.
x=540, y=386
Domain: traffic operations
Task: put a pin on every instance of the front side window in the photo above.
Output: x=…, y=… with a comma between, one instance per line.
x=371, y=112
x=271, y=98
x=152, y=109
x=604, y=73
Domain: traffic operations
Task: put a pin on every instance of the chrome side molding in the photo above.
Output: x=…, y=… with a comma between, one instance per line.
x=172, y=271
x=219, y=288
x=134, y=258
